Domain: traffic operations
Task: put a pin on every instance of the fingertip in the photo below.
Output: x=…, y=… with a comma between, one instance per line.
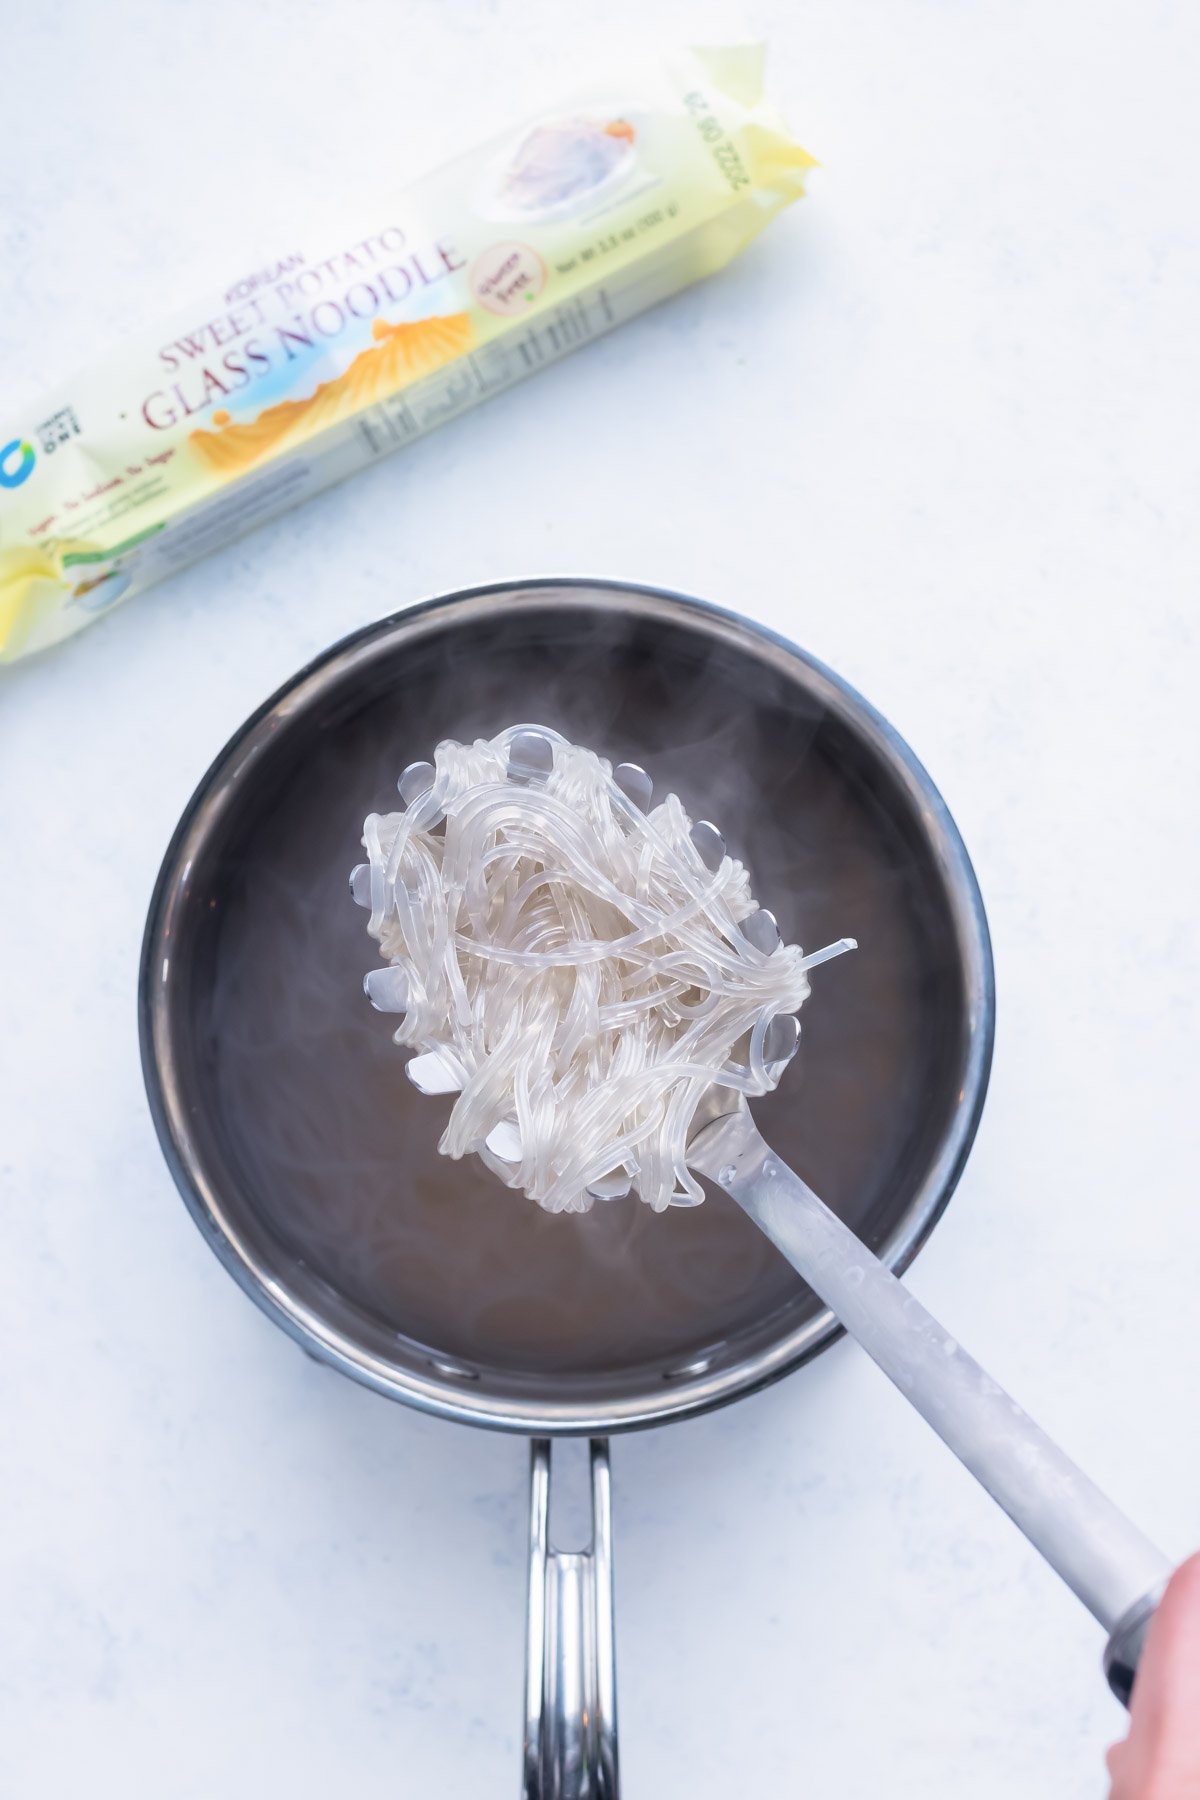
x=1179, y=1608
x=1187, y=1575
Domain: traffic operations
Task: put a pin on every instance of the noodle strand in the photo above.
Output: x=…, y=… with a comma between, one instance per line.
x=577, y=968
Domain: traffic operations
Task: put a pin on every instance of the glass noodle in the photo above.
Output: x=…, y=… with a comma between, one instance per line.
x=576, y=970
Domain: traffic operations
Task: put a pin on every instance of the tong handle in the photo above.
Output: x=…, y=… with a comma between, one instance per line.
x=1103, y=1558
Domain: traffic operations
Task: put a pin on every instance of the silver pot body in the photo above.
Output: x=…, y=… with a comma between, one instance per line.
x=812, y=778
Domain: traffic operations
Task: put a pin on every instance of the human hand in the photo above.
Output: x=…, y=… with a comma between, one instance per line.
x=1160, y=1759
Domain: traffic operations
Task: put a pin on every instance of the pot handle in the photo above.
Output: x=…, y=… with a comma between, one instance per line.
x=570, y=1670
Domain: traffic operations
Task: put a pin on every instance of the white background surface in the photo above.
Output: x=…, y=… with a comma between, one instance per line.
x=939, y=425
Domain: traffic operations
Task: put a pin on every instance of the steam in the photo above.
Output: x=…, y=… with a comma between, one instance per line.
x=321, y=1139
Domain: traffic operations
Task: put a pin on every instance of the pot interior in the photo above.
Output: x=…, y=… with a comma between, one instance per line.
x=294, y=1104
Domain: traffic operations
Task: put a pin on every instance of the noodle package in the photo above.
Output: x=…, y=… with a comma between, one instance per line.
x=290, y=376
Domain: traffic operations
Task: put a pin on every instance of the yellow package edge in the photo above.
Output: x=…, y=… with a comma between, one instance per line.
x=325, y=359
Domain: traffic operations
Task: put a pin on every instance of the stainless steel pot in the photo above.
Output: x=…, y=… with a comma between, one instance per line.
x=818, y=787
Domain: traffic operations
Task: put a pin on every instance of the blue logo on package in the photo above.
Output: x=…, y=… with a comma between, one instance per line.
x=16, y=463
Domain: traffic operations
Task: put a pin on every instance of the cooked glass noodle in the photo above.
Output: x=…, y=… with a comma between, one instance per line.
x=571, y=966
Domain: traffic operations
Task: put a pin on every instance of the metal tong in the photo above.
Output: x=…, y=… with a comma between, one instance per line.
x=1100, y=1554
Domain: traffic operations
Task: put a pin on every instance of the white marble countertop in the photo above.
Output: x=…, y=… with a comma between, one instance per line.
x=939, y=426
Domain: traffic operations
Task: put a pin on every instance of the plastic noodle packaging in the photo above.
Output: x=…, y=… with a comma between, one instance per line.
x=291, y=376
x=569, y=964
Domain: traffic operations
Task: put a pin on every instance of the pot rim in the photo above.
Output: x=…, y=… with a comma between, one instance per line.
x=443, y=1391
